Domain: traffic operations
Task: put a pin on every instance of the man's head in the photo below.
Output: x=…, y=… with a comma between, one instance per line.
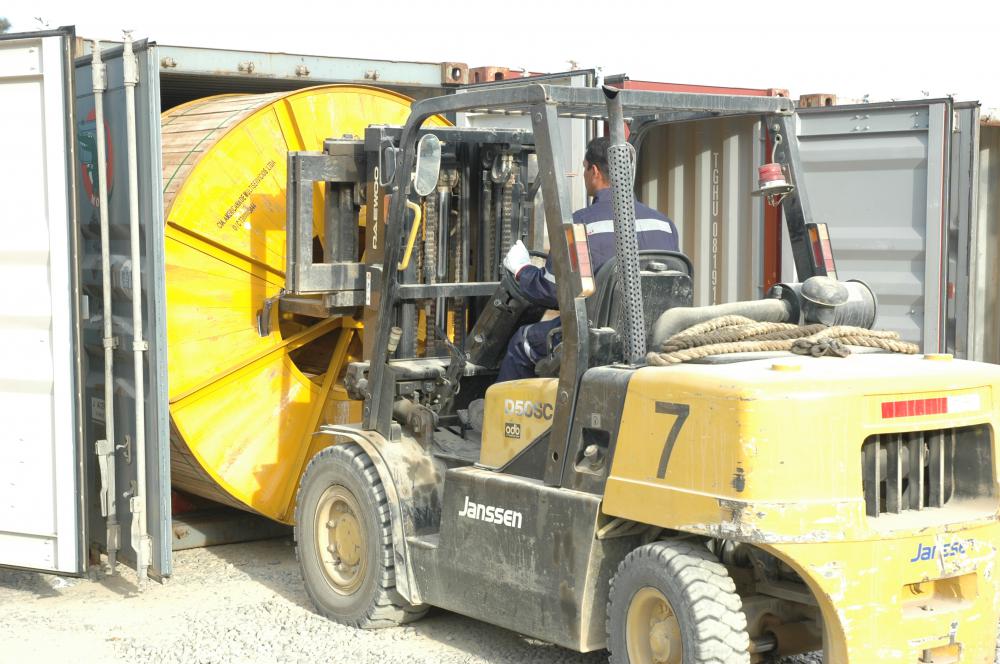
x=595, y=165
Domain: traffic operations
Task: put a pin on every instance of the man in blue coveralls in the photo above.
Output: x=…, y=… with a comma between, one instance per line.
x=654, y=231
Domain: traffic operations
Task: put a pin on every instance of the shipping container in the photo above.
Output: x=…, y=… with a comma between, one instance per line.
x=893, y=182
x=907, y=189
x=701, y=174
x=984, y=319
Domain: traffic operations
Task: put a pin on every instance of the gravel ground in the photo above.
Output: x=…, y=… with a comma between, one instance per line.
x=236, y=603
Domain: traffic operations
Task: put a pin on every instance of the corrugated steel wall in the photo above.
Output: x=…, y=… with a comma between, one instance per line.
x=989, y=222
x=700, y=174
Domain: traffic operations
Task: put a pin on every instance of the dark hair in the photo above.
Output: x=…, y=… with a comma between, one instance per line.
x=597, y=154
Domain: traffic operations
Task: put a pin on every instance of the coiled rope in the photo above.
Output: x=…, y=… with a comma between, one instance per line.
x=738, y=334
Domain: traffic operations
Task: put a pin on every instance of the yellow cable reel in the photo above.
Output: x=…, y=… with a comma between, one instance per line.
x=243, y=407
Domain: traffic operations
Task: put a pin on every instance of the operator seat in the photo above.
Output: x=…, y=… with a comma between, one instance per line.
x=665, y=281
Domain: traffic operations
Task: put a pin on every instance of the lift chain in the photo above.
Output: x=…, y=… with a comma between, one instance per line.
x=489, y=250
x=458, y=275
x=430, y=271
x=507, y=215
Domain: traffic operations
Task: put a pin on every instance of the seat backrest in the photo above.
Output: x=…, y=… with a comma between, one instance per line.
x=666, y=282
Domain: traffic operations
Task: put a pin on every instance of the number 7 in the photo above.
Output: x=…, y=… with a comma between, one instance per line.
x=681, y=410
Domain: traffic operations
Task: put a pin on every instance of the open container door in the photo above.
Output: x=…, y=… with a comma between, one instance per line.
x=882, y=177
x=41, y=447
x=125, y=462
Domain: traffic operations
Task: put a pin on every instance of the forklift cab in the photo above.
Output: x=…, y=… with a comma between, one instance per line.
x=475, y=306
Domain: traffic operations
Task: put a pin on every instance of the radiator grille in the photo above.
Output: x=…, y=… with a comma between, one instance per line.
x=918, y=470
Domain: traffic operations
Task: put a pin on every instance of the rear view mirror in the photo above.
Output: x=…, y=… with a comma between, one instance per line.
x=386, y=162
x=428, y=167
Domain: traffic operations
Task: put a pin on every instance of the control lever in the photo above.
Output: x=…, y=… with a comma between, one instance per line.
x=449, y=384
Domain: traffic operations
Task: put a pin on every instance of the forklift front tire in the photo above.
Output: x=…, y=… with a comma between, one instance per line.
x=673, y=603
x=343, y=539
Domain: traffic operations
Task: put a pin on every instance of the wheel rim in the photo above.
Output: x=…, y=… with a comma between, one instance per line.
x=341, y=543
x=652, y=633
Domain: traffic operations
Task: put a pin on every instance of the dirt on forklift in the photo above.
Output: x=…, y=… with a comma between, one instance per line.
x=680, y=484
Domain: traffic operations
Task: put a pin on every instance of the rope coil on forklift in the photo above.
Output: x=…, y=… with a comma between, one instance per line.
x=738, y=334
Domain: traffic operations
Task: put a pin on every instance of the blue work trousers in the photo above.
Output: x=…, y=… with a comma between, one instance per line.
x=528, y=345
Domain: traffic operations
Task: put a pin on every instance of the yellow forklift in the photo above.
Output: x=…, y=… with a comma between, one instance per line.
x=677, y=485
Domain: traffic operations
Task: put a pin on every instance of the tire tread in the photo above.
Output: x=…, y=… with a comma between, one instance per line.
x=714, y=608
x=388, y=608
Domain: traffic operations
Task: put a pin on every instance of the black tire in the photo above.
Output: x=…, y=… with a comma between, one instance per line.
x=370, y=600
x=709, y=613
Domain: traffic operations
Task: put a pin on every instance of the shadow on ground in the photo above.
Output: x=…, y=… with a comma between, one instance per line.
x=272, y=563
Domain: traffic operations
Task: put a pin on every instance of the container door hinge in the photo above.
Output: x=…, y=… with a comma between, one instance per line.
x=126, y=448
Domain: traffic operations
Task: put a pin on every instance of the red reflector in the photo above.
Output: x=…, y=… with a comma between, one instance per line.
x=914, y=407
x=579, y=257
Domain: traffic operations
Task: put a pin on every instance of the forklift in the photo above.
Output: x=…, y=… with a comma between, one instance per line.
x=733, y=508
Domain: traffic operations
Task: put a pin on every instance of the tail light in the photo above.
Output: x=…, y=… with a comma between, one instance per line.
x=579, y=258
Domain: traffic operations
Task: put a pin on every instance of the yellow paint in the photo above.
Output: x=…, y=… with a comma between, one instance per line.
x=774, y=458
x=517, y=412
x=238, y=401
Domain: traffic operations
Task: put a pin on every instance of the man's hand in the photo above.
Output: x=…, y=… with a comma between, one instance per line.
x=517, y=258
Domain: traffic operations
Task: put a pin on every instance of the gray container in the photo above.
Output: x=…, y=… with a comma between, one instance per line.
x=894, y=184
x=984, y=324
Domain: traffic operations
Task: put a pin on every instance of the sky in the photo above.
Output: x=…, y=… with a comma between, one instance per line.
x=883, y=49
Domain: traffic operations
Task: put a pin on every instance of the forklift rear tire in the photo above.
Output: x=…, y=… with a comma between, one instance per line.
x=343, y=538
x=673, y=603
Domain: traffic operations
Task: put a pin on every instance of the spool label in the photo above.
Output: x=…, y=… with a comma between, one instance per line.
x=242, y=198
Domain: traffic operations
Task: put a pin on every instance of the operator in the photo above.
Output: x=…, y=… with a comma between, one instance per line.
x=654, y=231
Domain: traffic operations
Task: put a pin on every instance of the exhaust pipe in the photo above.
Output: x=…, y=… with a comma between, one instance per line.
x=621, y=163
x=675, y=320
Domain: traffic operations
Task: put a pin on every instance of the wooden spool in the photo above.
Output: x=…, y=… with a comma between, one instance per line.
x=244, y=407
